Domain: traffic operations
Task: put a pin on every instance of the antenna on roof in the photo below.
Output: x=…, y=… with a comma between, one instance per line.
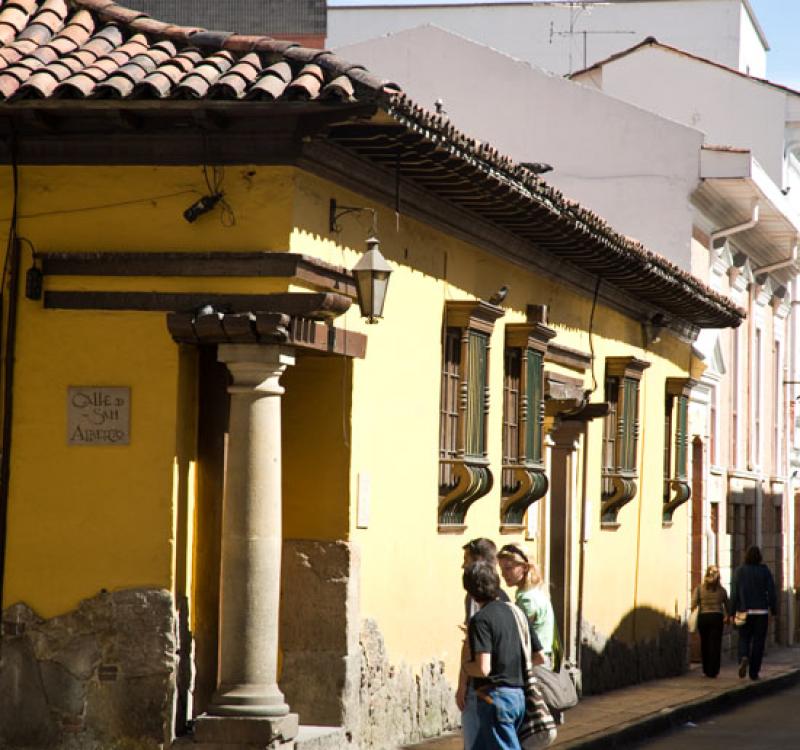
x=575, y=10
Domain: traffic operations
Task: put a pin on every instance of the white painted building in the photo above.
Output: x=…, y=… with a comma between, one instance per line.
x=750, y=183
x=566, y=36
x=634, y=168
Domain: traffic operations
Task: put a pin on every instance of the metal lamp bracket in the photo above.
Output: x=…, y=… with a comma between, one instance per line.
x=336, y=212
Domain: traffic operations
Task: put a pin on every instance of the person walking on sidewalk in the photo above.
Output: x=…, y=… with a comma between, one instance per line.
x=532, y=596
x=753, y=593
x=495, y=661
x=476, y=550
x=712, y=600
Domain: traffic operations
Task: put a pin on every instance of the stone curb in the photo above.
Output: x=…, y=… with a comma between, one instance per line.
x=662, y=722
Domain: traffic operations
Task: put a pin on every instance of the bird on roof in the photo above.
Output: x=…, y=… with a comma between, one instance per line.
x=498, y=297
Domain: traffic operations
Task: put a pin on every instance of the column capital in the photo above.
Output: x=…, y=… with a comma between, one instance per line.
x=256, y=367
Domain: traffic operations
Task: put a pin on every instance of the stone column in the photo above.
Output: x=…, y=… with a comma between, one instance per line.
x=563, y=480
x=251, y=536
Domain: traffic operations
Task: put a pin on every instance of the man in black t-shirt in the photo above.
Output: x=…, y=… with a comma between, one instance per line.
x=476, y=550
x=496, y=661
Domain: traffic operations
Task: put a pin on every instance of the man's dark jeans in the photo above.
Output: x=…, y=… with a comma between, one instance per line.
x=752, y=636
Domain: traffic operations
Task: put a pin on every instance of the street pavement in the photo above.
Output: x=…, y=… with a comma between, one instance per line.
x=768, y=723
x=621, y=718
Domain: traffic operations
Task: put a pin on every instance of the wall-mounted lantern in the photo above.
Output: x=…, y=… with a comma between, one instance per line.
x=372, y=279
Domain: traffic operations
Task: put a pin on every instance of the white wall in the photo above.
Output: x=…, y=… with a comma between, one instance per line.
x=635, y=169
x=730, y=109
x=752, y=57
x=536, y=31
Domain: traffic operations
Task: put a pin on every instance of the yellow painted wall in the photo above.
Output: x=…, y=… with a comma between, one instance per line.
x=82, y=518
x=411, y=573
x=86, y=518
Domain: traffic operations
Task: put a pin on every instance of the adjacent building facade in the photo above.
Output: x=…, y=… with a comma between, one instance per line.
x=563, y=37
x=746, y=233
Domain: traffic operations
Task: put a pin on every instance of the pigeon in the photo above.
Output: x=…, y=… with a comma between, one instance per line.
x=499, y=295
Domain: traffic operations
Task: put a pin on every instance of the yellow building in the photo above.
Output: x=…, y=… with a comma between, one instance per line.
x=225, y=495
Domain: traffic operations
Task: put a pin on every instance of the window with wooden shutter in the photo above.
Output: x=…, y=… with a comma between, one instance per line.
x=464, y=474
x=523, y=479
x=620, y=434
x=676, y=445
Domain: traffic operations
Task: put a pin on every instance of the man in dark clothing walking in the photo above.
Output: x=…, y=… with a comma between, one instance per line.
x=495, y=661
x=753, y=593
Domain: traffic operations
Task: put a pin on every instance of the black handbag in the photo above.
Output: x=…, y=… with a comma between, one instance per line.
x=539, y=727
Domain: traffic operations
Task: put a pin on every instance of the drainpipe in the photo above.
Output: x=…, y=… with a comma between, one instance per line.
x=786, y=262
x=13, y=250
x=736, y=228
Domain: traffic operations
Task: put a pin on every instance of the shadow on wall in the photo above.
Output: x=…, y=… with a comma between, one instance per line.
x=645, y=645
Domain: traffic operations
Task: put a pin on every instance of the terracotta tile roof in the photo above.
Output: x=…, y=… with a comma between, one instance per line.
x=96, y=49
x=651, y=41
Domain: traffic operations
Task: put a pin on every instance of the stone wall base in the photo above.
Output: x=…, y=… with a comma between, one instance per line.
x=646, y=646
x=335, y=670
x=396, y=705
x=97, y=678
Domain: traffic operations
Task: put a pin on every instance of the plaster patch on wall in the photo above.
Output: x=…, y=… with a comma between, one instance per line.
x=100, y=676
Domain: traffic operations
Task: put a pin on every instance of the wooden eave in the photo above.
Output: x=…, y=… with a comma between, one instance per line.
x=209, y=131
x=500, y=201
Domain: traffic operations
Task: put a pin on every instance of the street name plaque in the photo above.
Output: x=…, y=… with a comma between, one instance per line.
x=98, y=415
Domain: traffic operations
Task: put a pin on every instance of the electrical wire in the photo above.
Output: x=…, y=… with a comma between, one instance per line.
x=591, y=331
x=99, y=206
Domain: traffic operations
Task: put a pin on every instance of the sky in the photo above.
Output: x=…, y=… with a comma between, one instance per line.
x=780, y=20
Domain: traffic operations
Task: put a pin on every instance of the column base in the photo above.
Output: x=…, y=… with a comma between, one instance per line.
x=249, y=700
x=244, y=732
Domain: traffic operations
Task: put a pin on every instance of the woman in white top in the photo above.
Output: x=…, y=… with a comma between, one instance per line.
x=532, y=596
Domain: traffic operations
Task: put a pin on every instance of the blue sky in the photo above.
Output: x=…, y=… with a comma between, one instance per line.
x=780, y=20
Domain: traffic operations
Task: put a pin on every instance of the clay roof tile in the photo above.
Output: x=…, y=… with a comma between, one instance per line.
x=149, y=26
x=211, y=40
x=14, y=16
x=339, y=89
x=119, y=14
x=241, y=43
x=78, y=86
x=272, y=83
x=40, y=85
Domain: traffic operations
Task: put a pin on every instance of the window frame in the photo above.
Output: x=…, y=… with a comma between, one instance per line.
x=523, y=480
x=464, y=473
x=619, y=466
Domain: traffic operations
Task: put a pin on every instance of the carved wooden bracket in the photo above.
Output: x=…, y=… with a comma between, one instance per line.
x=528, y=484
x=677, y=489
x=471, y=479
x=624, y=490
x=676, y=493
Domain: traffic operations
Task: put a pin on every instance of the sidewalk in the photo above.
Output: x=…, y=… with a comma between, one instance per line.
x=618, y=718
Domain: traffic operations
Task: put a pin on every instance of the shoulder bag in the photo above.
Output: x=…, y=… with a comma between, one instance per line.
x=538, y=727
x=557, y=686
